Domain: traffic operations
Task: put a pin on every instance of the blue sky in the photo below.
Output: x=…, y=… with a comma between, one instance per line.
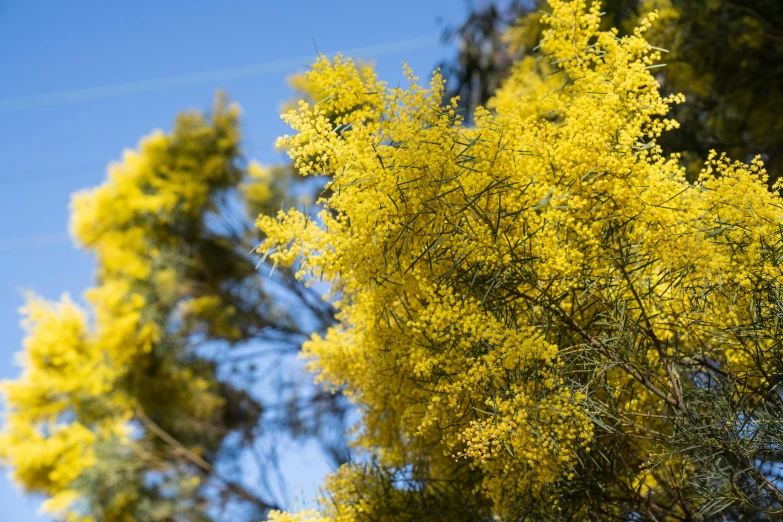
x=84, y=80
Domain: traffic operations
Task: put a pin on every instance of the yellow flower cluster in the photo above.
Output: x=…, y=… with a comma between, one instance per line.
x=474, y=268
x=64, y=404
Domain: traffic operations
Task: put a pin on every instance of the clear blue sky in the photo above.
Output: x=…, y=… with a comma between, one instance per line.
x=83, y=80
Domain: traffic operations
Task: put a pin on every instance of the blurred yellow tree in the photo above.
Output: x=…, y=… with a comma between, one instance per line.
x=126, y=408
x=540, y=316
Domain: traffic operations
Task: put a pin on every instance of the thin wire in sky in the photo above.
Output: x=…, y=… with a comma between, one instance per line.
x=215, y=75
x=42, y=240
x=170, y=82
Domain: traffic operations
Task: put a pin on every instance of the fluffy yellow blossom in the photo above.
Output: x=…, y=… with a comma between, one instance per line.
x=518, y=296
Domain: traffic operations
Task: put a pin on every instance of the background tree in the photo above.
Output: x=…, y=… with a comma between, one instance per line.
x=540, y=316
x=726, y=56
x=150, y=404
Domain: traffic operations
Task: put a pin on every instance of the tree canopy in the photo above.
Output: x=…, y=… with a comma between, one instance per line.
x=540, y=316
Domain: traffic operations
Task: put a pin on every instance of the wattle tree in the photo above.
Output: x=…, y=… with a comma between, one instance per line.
x=540, y=316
